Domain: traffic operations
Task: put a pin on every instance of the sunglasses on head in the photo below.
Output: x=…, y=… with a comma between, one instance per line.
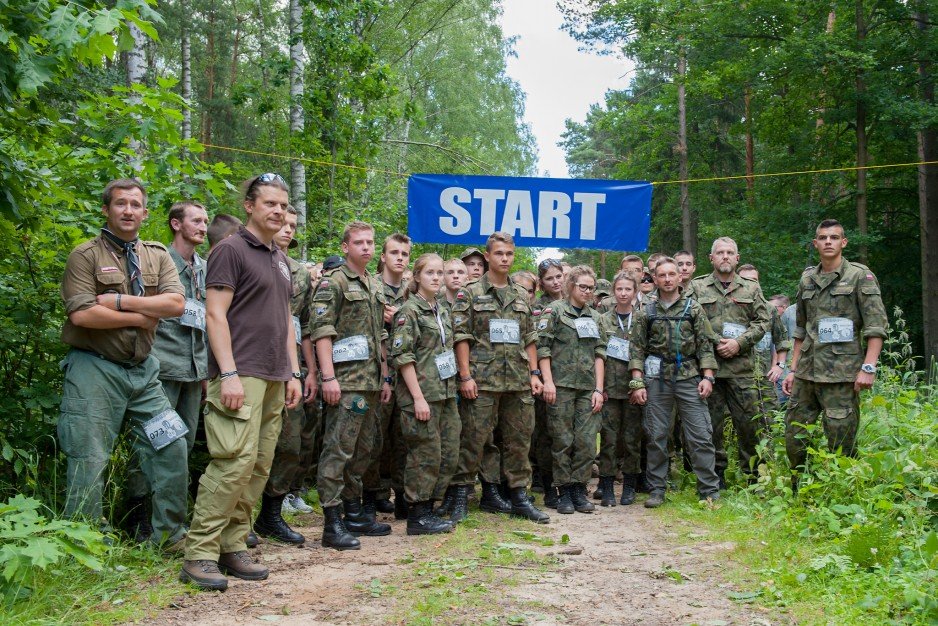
x=265, y=179
x=543, y=265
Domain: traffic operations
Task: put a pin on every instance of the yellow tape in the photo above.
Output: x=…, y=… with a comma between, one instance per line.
x=823, y=171
x=304, y=159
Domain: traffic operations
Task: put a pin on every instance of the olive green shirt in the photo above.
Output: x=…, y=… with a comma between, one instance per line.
x=572, y=357
x=618, y=372
x=739, y=312
x=495, y=366
x=659, y=335
x=851, y=294
x=183, y=350
x=417, y=339
x=98, y=266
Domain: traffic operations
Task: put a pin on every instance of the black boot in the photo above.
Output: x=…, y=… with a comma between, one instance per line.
x=551, y=495
x=504, y=491
x=721, y=475
x=360, y=523
x=537, y=486
x=564, y=502
x=609, y=490
x=628, y=489
x=492, y=501
x=384, y=505
x=600, y=489
x=138, y=522
x=270, y=523
x=400, y=505
x=580, y=502
x=252, y=541
x=370, y=504
x=422, y=522
x=447, y=507
x=460, y=503
x=521, y=507
x=437, y=518
x=642, y=486
x=334, y=533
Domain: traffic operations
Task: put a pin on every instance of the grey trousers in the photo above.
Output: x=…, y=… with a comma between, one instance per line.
x=695, y=423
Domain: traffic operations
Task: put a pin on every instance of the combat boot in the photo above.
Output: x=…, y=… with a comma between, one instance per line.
x=600, y=489
x=384, y=504
x=334, y=533
x=655, y=500
x=578, y=496
x=251, y=540
x=551, y=495
x=370, y=504
x=447, y=506
x=436, y=517
x=137, y=521
x=521, y=507
x=358, y=522
x=270, y=523
x=609, y=490
x=492, y=501
x=400, y=505
x=240, y=565
x=460, y=509
x=422, y=522
x=721, y=477
x=628, y=489
x=204, y=574
x=565, y=501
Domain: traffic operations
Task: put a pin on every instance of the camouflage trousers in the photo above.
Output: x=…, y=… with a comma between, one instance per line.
x=741, y=397
x=347, y=446
x=386, y=470
x=620, y=438
x=286, y=465
x=573, y=428
x=432, y=450
x=310, y=446
x=840, y=405
x=513, y=411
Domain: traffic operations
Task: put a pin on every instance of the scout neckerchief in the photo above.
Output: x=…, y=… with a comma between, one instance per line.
x=198, y=275
x=133, y=261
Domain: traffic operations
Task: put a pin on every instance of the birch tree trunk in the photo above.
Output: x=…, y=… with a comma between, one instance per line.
x=297, y=121
x=186, y=50
x=136, y=71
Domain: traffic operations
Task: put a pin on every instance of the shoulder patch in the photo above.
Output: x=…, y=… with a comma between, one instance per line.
x=547, y=310
x=398, y=342
x=536, y=312
x=460, y=295
x=401, y=321
x=323, y=283
x=868, y=276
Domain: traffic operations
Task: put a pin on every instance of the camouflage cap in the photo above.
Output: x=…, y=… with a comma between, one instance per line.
x=603, y=286
x=468, y=252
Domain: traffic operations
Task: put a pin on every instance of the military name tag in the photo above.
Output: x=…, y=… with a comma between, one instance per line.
x=652, y=366
x=354, y=348
x=618, y=349
x=164, y=429
x=446, y=364
x=504, y=331
x=193, y=315
x=297, y=329
x=732, y=331
x=586, y=328
x=765, y=343
x=835, y=330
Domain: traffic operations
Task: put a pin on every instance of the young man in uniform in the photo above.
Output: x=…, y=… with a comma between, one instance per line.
x=284, y=470
x=672, y=345
x=386, y=470
x=455, y=276
x=475, y=263
x=253, y=353
x=496, y=355
x=686, y=266
x=116, y=288
x=347, y=327
x=180, y=346
x=839, y=307
x=739, y=315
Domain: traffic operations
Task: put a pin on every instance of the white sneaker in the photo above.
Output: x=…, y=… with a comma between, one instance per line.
x=299, y=504
x=288, y=505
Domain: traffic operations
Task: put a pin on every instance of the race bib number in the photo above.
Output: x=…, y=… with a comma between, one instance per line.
x=193, y=315
x=586, y=328
x=504, y=331
x=354, y=348
x=446, y=364
x=835, y=330
x=732, y=331
x=297, y=330
x=617, y=349
x=164, y=429
x=652, y=366
x=765, y=344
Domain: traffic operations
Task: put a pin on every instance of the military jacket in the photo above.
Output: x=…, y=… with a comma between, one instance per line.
x=543, y=301
x=183, y=350
x=419, y=339
x=618, y=372
x=835, y=313
x=738, y=312
x=98, y=266
x=350, y=309
x=479, y=314
x=657, y=334
x=300, y=301
x=777, y=336
x=572, y=357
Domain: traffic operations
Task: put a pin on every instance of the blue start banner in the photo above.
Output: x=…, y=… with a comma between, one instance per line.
x=537, y=212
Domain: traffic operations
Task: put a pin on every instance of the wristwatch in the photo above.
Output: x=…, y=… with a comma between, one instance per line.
x=868, y=368
x=535, y=372
x=388, y=380
x=711, y=379
x=298, y=375
x=780, y=365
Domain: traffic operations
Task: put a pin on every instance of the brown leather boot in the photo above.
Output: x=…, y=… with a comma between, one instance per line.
x=240, y=565
x=203, y=574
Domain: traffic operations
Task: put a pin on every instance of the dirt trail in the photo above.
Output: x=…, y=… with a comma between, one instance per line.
x=628, y=560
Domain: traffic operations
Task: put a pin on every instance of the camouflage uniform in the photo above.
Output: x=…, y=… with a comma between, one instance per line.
x=572, y=349
x=540, y=440
x=654, y=338
x=285, y=469
x=502, y=375
x=432, y=446
x=828, y=365
x=777, y=337
x=348, y=307
x=739, y=312
x=603, y=296
x=620, y=436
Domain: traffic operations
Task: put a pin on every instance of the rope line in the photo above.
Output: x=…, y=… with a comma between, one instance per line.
x=304, y=159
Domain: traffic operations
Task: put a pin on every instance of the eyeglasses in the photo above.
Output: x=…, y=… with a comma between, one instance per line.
x=586, y=288
x=543, y=265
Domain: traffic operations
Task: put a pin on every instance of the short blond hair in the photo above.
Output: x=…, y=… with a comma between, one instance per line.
x=498, y=236
x=353, y=226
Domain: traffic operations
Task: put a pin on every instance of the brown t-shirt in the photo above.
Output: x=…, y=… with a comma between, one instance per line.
x=98, y=266
x=260, y=308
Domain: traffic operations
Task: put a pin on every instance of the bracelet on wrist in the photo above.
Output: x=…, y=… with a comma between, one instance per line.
x=328, y=379
x=464, y=380
x=599, y=391
x=117, y=303
x=225, y=375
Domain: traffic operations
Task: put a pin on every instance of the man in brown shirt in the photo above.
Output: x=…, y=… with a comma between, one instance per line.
x=116, y=289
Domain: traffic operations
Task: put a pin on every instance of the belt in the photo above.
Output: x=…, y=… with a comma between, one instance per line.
x=125, y=364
